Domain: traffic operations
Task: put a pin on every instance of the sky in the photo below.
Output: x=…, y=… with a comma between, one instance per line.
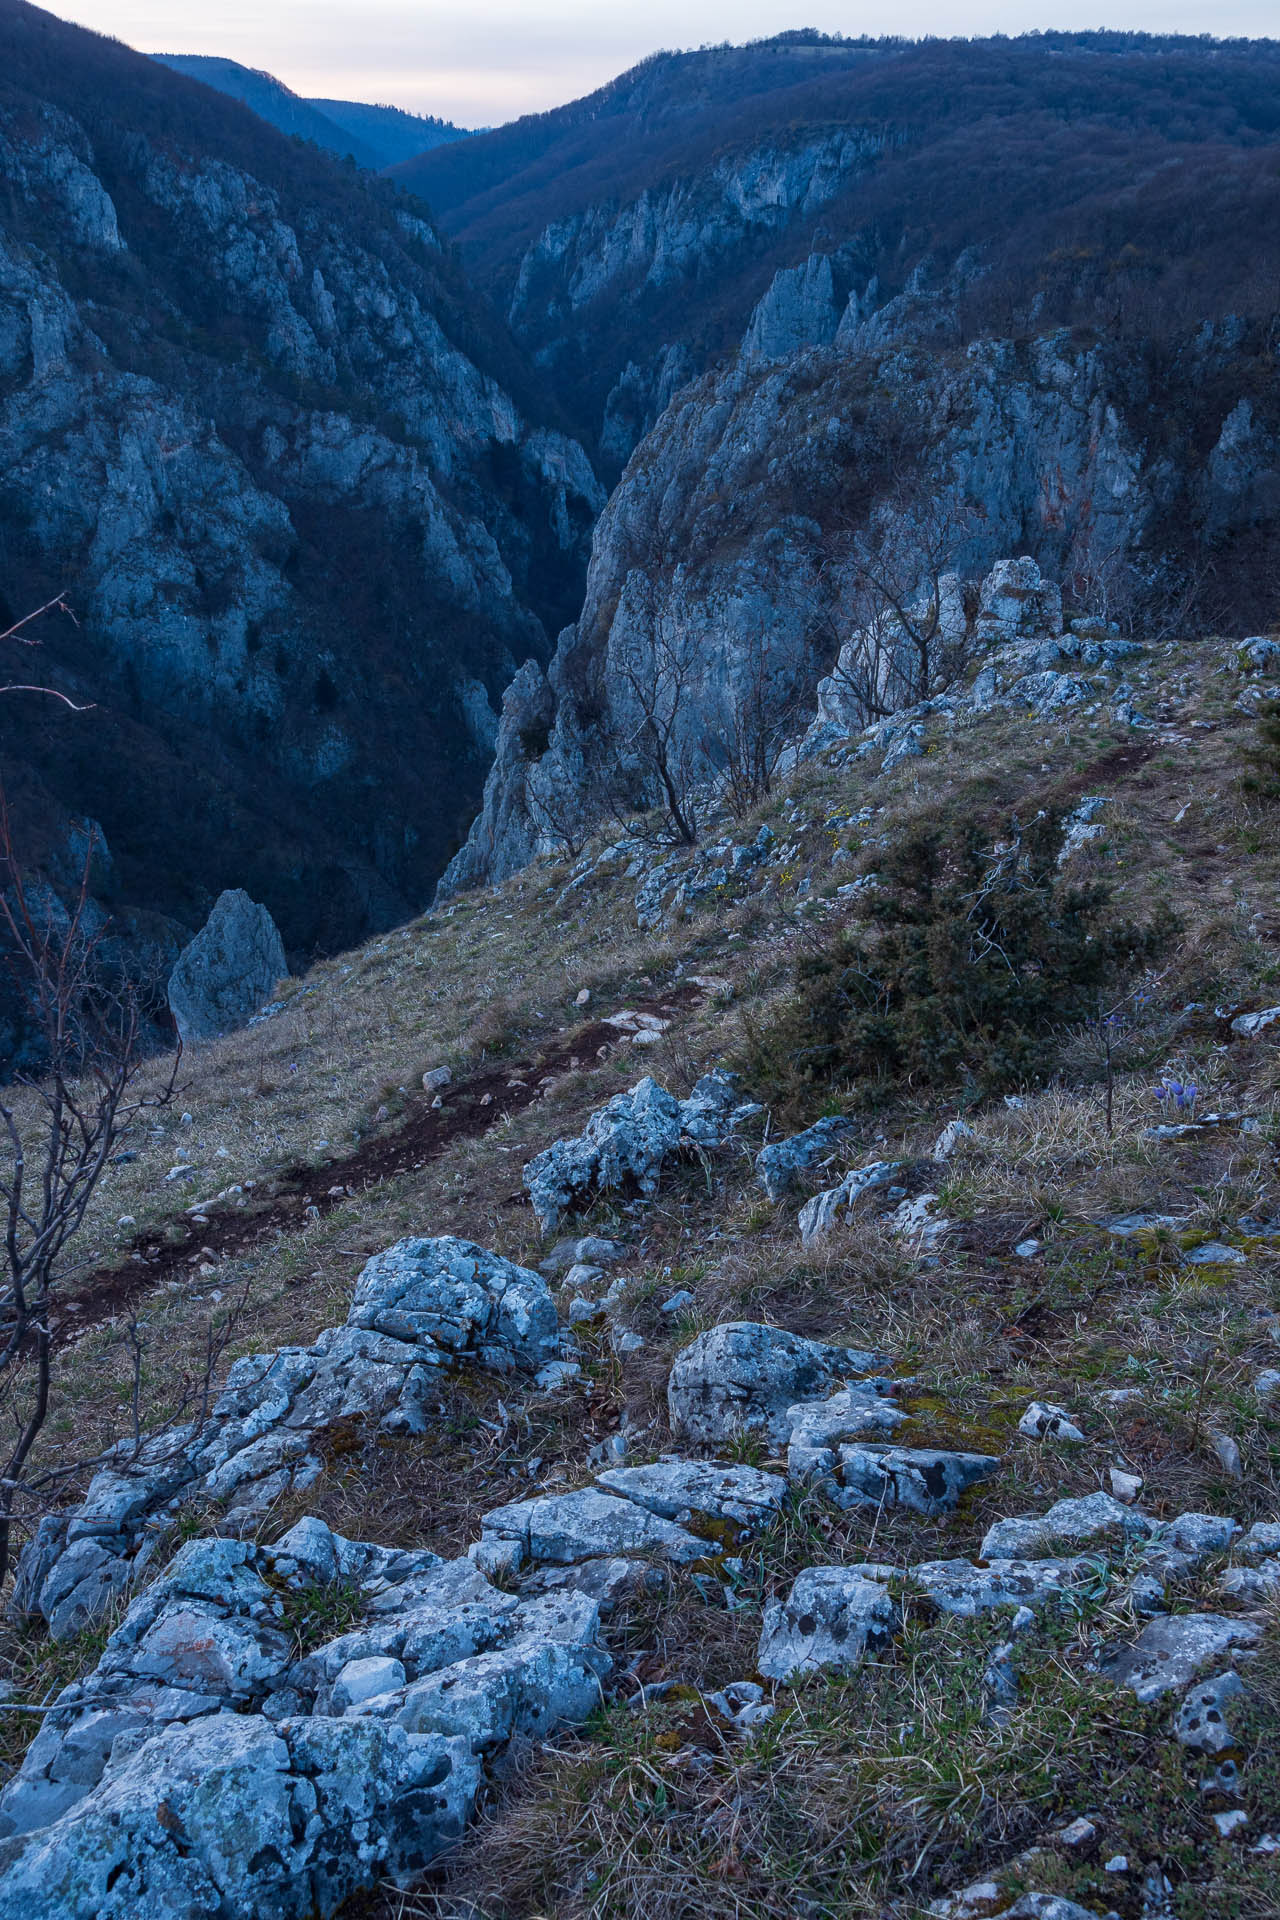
x=481, y=62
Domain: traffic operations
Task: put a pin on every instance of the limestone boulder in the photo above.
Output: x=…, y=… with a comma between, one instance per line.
x=228, y=971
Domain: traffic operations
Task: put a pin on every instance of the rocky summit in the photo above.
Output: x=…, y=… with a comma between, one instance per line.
x=640, y=1106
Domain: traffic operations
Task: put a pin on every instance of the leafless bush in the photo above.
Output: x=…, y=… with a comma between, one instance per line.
x=891, y=589
x=61, y=1124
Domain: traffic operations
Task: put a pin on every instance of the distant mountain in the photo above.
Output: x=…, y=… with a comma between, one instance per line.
x=272, y=101
x=631, y=235
x=390, y=132
x=373, y=136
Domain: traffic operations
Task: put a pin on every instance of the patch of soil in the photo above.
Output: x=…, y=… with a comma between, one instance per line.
x=470, y=1108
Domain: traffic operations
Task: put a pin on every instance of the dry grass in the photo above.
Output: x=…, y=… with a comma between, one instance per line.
x=859, y=1799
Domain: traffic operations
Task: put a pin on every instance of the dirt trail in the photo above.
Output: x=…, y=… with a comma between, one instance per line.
x=470, y=1108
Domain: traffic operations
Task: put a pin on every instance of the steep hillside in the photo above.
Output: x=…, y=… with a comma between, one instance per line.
x=895, y=1531
x=1063, y=177
x=373, y=136
x=273, y=102
x=294, y=481
x=393, y=134
x=803, y=502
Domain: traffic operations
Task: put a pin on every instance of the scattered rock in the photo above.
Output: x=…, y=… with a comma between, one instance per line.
x=957, y=1586
x=420, y=1306
x=694, y=1491
x=1171, y=1650
x=779, y=1165
x=436, y=1079
x=922, y=1479
x=564, y=1528
x=1215, y=1254
x=1042, y=1421
x=1093, y=1520
x=832, y=1617
x=628, y=1142
x=1249, y=1024
x=953, y=1136
x=819, y=1215
x=228, y=971
x=743, y=1376
x=1202, y=1721
x=1125, y=1486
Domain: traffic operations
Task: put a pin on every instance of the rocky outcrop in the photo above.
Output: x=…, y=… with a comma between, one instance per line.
x=742, y=1377
x=627, y=1143
x=229, y=970
x=420, y=1306
x=722, y=559
x=206, y=1765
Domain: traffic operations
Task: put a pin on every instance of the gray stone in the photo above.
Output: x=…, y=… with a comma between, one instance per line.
x=460, y=1297
x=742, y=1376
x=954, y=1136
x=832, y=1618
x=1171, y=1650
x=561, y=1528
x=922, y=1479
x=780, y=1164
x=1047, y=1906
x=957, y=1586
x=819, y=1215
x=1096, y=1519
x=693, y=1491
x=1262, y=1538
x=818, y=1427
x=1042, y=1421
x=629, y=1141
x=1202, y=1721
x=589, y=1251
x=420, y=1306
x=1249, y=1024
x=233, y=1815
x=228, y=971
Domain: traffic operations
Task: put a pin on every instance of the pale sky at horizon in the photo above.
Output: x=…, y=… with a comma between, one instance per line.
x=481, y=62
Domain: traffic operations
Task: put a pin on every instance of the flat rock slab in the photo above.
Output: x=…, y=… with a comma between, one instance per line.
x=957, y=1586
x=1094, y=1520
x=923, y=1479
x=832, y=1618
x=744, y=1377
x=562, y=1528
x=682, y=1490
x=1172, y=1649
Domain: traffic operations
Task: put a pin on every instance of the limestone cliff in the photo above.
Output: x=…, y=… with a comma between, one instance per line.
x=255, y=427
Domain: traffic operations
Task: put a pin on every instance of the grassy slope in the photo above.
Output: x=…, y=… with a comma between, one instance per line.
x=875, y=1795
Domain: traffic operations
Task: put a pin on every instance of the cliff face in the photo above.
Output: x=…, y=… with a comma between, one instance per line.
x=257, y=430
x=632, y=234
x=726, y=548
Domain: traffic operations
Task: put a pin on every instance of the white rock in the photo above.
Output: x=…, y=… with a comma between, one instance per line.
x=831, y=1618
x=1094, y=1519
x=954, y=1135
x=1125, y=1486
x=1248, y=1024
x=1043, y=1421
x=1170, y=1651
